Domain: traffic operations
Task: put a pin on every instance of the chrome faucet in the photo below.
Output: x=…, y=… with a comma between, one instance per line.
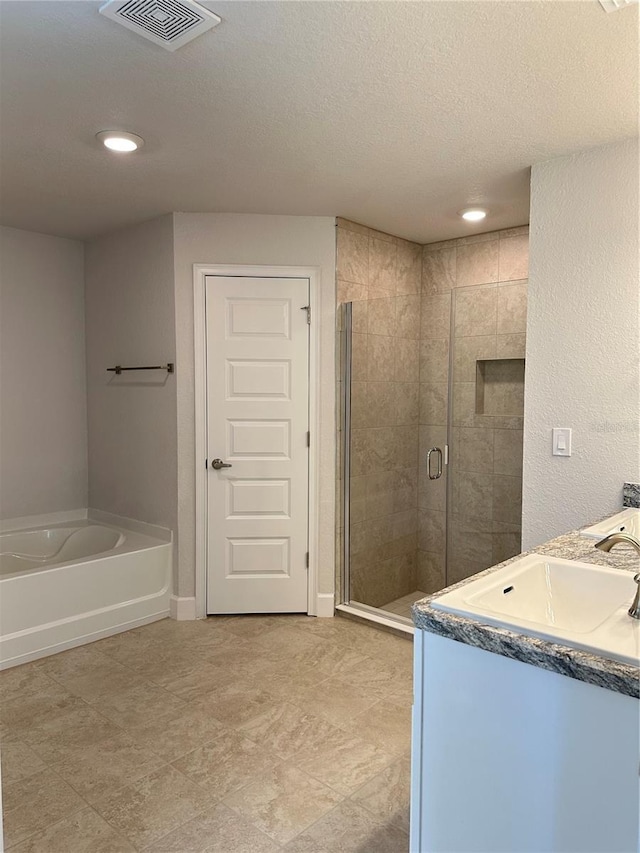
x=607, y=544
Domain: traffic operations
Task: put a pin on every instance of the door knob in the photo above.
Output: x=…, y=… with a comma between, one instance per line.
x=218, y=464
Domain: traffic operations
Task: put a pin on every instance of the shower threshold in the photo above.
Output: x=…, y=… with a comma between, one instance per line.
x=378, y=615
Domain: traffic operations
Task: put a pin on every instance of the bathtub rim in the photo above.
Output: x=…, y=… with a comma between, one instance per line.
x=133, y=543
x=27, y=522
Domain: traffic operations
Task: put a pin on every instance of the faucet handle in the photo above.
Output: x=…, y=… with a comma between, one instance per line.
x=634, y=610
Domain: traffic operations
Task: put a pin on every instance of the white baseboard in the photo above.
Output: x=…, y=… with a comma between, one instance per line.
x=182, y=608
x=325, y=605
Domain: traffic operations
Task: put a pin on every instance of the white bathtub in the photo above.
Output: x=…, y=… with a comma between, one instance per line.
x=67, y=584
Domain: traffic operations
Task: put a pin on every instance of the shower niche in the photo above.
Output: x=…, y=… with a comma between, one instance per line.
x=500, y=387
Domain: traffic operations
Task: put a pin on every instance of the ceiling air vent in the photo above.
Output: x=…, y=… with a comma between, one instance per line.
x=169, y=23
x=614, y=5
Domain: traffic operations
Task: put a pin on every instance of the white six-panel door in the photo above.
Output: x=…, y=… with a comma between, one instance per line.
x=257, y=423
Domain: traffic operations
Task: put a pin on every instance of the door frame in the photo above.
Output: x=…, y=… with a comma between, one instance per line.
x=200, y=273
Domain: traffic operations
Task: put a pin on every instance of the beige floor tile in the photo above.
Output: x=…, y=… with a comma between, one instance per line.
x=336, y=700
x=19, y=761
x=287, y=641
x=378, y=676
x=386, y=725
x=246, y=626
x=234, y=703
x=83, y=832
x=283, y=802
x=140, y=704
x=169, y=633
x=237, y=658
x=288, y=682
x=304, y=843
x=344, y=762
x=35, y=803
x=218, y=830
x=226, y=764
x=193, y=683
x=215, y=639
x=349, y=827
x=153, y=655
x=285, y=729
x=382, y=645
x=171, y=739
x=128, y=647
x=334, y=693
x=26, y=681
x=346, y=632
x=77, y=661
x=68, y=732
x=387, y=794
x=92, y=676
x=394, y=608
x=159, y=665
x=153, y=806
x=329, y=657
x=20, y=712
x=103, y=768
x=402, y=693
x=388, y=647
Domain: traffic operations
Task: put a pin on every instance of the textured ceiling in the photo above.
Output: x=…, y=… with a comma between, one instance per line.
x=395, y=114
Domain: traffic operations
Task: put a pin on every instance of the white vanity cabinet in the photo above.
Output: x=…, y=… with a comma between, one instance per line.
x=508, y=756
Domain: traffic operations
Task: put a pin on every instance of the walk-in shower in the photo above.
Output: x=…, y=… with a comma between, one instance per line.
x=431, y=403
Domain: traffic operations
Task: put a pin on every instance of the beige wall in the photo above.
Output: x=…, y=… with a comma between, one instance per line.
x=43, y=416
x=224, y=238
x=380, y=274
x=132, y=417
x=583, y=338
x=477, y=287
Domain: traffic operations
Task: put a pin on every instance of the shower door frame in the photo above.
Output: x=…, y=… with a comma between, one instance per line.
x=373, y=614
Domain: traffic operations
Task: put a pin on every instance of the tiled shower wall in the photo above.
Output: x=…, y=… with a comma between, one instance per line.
x=483, y=279
x=402, y=297
x=381, y=275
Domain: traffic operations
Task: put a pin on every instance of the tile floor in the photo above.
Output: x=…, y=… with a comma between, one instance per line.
x=234, y=735
x=402, y=606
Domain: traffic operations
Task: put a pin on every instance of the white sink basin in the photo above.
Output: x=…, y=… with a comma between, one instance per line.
x=563, y=601
x=627, y=521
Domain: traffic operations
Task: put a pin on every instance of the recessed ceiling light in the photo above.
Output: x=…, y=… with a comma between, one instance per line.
x=473, y=214
x=117, y=140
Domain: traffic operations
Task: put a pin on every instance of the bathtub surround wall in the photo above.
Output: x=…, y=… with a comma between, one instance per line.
x=132, y=417
x=475, y=289
x=43, y=414
x=380, y=274
x=583, y=342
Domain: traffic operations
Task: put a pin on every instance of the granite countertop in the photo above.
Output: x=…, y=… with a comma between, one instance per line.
x=584, y=666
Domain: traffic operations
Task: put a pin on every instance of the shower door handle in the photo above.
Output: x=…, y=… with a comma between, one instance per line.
x=439, y=472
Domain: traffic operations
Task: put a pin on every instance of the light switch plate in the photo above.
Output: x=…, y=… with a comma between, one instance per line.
x=561, y=441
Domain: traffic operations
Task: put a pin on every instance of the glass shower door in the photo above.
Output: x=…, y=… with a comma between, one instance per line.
x=380, y=466
x=485, y=432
